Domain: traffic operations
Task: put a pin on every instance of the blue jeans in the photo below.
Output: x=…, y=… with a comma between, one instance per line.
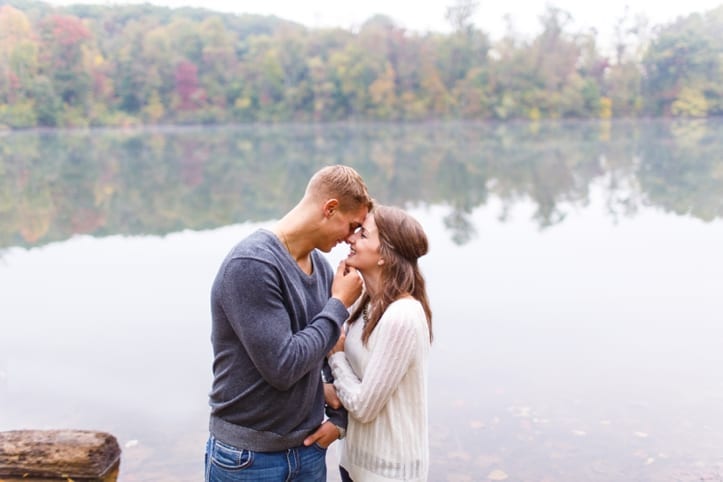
x=225, y=463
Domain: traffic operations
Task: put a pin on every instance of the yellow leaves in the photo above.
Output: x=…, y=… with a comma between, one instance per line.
x=242, y=103
x=691, y=102
x=14, y=26
x=382, y=90
x=606, y=108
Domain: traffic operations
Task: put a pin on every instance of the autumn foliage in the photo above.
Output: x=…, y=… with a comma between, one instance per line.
x=128, y=65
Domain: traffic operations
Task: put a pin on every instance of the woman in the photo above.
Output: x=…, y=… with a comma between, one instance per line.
x=380, y=366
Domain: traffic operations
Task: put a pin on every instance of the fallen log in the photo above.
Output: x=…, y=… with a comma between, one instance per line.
x=67, y=454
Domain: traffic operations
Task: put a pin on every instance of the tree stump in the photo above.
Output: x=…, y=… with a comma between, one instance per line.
x=67, y=454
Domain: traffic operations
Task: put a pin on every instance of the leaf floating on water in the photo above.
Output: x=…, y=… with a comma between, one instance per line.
x=476, y=424
x=497, y=475
x=459, y=478
x=461, y=455
x=487, y=460
x=523, y=412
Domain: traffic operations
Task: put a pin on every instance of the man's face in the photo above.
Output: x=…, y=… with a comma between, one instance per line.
x=343, y=225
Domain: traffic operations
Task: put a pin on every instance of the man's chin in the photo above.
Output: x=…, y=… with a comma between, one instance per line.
x=327, y=249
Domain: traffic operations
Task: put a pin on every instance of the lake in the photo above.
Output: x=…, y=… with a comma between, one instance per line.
x=575, y=276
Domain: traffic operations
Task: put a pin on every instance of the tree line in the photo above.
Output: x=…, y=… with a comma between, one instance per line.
x=86, y=65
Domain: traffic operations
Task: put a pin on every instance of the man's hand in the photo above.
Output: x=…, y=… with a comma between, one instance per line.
x=324, y=435
x=330, y=396
x=347, y=284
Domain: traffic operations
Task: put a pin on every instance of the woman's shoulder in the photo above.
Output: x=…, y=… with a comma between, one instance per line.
x=404, y=317
x=407, y=309
x=406, y=302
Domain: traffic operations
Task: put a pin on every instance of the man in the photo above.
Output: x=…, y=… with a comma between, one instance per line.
x=277, y=308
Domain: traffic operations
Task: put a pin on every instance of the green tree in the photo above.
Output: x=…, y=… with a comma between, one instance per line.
x=684, y=58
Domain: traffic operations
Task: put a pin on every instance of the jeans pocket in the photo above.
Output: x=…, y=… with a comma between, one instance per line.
x=230, y=458
x=319, y=447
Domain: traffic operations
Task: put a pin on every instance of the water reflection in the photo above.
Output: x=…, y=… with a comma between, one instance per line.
x=102, y=182
x=575, y=277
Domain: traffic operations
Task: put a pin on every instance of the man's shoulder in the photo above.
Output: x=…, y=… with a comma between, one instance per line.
x=259, y=245
x=254, y=252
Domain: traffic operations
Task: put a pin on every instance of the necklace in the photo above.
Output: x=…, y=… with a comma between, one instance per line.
x=286, y=243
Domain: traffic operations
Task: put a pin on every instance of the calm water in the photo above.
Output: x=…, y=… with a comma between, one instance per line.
x=576, y=274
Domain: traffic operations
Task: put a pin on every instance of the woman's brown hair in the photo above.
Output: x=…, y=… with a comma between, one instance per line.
x=402, y=241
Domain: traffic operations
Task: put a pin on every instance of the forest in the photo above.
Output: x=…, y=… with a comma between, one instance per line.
x=115, y=65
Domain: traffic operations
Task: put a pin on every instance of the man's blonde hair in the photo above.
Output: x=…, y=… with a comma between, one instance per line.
x=343, y=183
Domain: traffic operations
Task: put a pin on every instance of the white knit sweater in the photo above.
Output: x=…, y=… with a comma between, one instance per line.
x=384, y=387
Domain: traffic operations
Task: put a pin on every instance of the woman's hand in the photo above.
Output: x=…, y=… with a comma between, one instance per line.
x=339, y=343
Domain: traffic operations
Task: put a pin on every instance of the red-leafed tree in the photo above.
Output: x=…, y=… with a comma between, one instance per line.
x=66, y=40
x=190, y=95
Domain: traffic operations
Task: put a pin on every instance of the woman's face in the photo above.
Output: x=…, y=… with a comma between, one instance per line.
x=364, y=247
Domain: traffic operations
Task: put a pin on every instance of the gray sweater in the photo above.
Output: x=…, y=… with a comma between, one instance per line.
x=272, y=325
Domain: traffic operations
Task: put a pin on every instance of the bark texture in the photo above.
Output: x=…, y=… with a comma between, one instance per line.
x=75, y=454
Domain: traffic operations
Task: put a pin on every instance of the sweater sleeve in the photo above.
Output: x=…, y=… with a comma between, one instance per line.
x=253, y=303
x=389, y=361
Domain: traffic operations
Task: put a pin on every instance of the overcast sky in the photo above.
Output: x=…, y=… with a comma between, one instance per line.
x=423, y=15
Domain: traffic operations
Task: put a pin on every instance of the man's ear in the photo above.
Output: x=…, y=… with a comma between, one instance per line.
x=330, y=207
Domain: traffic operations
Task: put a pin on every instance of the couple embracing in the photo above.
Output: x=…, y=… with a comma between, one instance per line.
x=305, y=355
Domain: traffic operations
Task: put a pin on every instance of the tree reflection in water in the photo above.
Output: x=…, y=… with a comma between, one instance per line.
x=100, y=182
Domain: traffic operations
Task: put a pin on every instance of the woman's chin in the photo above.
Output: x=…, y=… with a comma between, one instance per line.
x=350, y=264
